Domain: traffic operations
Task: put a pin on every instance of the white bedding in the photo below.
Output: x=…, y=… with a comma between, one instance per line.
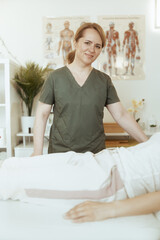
x=107, y=175
x=42, y=219
x=64, y=175
x=21, y=221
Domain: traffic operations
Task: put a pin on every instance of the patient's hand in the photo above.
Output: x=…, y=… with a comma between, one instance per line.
x=90, y=212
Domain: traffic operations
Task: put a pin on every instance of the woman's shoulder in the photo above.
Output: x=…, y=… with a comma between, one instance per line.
x=58, y=72
x=102, y=75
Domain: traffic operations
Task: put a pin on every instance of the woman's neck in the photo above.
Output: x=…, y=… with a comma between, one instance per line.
x=79, y=72
x=77, y=67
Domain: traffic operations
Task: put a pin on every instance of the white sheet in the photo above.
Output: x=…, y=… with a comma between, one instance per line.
x=84, y=176
x=44, y=221
x=20, y=221
x=139, y=167
x=64, y=175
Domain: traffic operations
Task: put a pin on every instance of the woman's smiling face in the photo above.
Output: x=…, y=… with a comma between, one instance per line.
x=88, y=47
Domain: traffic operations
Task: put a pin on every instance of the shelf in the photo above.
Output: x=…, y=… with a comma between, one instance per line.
x=26, y=151
x=9, y=104
x=24, y=135
x=117, y=134
x=21, y=134
x=124, y=140
x=4, y=61
x=120, y=143
x=148, y=132
x=3, y=147
x=29, y=145
x=2, y=104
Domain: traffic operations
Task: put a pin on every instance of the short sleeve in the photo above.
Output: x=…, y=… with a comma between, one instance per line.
x=112, y=96
x=47, y=93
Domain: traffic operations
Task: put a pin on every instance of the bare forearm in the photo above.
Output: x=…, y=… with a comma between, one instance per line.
x=39, y=129
x=128, y=123
x=144, y=204
x=43, y=111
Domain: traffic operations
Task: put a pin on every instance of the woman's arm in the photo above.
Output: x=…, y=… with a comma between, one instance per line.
x=96, y=211
x=42, y=113
x=126, y=121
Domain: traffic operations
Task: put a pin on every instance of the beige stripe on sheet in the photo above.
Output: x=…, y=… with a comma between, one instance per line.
x=107, y=191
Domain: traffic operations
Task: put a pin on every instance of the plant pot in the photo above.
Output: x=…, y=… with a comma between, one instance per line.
x=27, y=124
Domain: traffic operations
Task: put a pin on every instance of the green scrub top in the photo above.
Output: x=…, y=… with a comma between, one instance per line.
x=78, y=110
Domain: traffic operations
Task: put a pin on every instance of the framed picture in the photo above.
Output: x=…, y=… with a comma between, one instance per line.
x=58, y=35
x=123, y=57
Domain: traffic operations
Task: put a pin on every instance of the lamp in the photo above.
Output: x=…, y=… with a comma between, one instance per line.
x=157, y=13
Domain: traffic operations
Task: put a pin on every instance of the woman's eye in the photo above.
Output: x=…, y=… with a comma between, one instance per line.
x=87, y=43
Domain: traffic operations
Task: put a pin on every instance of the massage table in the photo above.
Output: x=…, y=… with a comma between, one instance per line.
x=36, y=218
x=43, y=220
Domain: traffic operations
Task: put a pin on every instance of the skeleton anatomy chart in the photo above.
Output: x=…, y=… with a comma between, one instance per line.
x=123, y=56
x=58, y=38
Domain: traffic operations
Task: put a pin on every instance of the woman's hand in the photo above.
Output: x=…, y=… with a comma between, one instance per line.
x=90, y=212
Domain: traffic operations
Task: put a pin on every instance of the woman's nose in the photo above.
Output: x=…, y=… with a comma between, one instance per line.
x=92, y=48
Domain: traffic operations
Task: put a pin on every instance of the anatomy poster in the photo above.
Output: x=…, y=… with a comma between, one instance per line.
x=123, y=57
x=58, y=35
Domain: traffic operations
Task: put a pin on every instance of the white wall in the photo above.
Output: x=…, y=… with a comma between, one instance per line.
x=21, y=29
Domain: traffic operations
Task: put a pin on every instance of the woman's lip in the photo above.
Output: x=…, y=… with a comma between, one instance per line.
x=89, y=55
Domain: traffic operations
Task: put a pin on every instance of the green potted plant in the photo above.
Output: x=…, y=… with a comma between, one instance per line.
x=28, y=81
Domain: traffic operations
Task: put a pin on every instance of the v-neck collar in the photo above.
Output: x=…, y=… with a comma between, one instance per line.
x=74, y=80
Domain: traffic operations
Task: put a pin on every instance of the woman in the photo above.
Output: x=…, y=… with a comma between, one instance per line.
x=79, y=93
x=110, y=176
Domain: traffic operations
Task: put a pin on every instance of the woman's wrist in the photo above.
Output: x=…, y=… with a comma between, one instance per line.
x=117, y=208
x=110, y=210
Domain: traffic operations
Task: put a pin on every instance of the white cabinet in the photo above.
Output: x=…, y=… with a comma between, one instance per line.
x=10, y=109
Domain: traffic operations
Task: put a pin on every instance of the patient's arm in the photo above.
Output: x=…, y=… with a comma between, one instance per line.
x=96, y=211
